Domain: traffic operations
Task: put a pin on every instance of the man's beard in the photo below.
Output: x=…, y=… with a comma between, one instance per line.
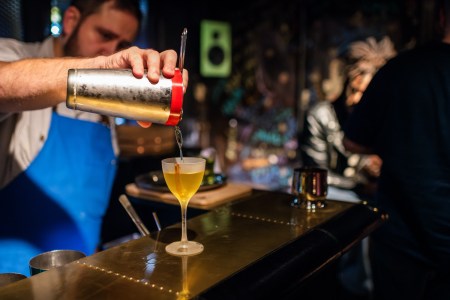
x=71, y=47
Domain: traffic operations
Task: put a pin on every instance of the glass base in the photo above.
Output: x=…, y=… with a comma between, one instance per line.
x=308, y=204
x=184, y=248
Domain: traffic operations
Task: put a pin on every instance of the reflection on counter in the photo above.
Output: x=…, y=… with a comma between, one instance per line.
x=259, y=242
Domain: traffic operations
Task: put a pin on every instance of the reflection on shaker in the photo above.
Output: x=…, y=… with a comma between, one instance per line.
x=309, y=185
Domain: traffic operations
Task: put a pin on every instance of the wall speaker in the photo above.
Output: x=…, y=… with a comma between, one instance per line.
x=215, y=49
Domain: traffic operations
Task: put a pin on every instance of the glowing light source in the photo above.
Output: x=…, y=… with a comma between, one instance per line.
x=55, y=18
x=55, y=30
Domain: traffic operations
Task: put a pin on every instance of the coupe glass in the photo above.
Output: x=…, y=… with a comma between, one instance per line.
x=183, y=178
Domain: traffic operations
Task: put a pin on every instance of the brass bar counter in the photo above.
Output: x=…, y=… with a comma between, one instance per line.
x=255, y=247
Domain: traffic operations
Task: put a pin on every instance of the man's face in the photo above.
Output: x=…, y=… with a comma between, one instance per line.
x=357, y=86
x=102, y=33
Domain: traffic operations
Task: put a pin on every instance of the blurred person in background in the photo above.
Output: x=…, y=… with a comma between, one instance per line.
x=57, y=165
x=404, y=117
x=351, y=177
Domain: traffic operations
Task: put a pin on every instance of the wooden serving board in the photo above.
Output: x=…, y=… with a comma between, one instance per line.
x=204, y=200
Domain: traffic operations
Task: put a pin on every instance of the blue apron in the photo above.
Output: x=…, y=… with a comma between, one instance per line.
x=59, y=201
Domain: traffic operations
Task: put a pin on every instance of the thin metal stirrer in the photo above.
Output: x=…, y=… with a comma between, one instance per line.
x=134, y=216
x=178, y=135
x=182, y=49
x=155, y=217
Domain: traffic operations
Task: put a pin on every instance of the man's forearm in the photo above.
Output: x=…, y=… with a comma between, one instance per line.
x=36, y=83
x=356, y=148
x=42, y=82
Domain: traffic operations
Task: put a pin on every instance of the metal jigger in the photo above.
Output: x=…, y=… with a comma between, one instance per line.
x=309, y=185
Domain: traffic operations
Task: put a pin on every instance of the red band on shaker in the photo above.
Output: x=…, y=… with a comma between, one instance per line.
x=176, y=105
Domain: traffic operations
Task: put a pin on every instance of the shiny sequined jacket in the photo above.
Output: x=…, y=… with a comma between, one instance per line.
x=321, y=145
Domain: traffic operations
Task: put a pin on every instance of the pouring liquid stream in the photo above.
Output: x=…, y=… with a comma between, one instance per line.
x=179, y=138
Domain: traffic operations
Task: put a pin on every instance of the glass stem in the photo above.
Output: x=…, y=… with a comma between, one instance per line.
x=183, y=222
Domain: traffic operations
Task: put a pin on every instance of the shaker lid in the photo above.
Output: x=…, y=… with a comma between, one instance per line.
x=176, y=105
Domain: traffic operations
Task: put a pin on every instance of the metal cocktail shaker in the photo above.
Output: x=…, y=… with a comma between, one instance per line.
x=117, y=93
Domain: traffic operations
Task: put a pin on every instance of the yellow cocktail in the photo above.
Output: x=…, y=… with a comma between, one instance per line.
x=183, y=178
x=183, y=185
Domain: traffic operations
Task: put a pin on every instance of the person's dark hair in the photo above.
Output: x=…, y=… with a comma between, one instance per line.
x=445, y=5
x=89, y=7
x=441, y=18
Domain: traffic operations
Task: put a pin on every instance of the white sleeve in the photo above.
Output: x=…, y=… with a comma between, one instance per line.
x=11, y=50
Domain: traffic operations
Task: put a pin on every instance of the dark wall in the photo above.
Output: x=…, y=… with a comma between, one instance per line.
x=35, y=19
x=313, y=29
x=25, y=20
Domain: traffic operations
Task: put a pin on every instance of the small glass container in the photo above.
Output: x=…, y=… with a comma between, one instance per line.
x=310, y=186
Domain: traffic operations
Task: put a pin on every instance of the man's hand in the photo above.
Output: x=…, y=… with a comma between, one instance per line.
x=372, y=165
x=140, y=60
x=144, y=124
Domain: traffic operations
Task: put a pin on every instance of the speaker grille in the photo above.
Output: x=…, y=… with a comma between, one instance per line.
x=215, y=48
